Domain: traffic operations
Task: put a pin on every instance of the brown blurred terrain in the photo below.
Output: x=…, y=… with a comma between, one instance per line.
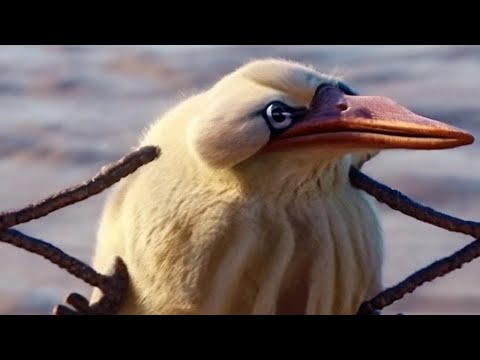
x=67, y=110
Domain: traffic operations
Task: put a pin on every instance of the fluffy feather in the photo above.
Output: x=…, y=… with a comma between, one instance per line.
x=212, y=228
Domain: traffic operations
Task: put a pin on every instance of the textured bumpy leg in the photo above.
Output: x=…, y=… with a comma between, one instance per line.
x=400, y=202
x=113, y=286
x=113, y=290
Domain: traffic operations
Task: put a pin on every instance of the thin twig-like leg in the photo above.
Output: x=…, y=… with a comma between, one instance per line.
x=108, y=175
x=438, y=268
x=400, y=202
x=397, y=201
x=55, y=255
x=114, y=285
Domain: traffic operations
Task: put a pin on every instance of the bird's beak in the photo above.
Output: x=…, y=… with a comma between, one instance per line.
x=365, y=122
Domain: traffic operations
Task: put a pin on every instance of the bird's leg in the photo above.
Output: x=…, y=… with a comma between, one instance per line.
x=113, y=289
x=113, y=285
x=437, y=269
x=106, y=177
x=400, y=202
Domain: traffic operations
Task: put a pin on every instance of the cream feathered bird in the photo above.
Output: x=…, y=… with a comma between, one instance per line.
x=249, y=209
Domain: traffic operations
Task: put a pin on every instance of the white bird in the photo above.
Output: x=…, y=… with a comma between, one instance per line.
x=249, y=209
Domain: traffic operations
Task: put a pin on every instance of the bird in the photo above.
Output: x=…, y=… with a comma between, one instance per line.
x=249, y=210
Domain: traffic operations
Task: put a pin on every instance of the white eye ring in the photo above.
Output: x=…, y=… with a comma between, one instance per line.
x=278, y=117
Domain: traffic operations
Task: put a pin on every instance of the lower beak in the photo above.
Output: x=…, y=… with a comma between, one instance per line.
x=366, y=122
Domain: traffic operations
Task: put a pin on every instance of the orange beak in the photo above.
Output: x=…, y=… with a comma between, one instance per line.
x=365, y=122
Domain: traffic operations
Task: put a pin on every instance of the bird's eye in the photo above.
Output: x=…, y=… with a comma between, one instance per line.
x=278, y=116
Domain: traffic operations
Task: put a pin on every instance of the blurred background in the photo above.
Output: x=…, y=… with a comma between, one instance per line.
x=67, y=110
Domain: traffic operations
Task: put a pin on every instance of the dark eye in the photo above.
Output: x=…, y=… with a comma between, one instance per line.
x=278, y=116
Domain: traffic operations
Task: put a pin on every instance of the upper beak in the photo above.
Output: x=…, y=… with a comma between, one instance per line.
x=367, y=122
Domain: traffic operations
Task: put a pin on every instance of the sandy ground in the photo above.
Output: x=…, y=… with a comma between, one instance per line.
x=67, y=110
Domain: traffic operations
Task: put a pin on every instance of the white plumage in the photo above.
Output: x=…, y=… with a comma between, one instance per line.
x=216, y=225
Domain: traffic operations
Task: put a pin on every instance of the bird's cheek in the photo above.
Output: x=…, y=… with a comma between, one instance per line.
x=223, y=142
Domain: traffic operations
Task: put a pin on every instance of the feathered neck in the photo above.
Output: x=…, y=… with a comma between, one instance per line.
x=282, y=173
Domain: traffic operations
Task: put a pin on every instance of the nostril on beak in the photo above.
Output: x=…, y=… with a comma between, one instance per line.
x=342, y=106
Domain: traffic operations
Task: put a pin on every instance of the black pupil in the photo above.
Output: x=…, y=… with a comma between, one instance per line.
x=277, y=114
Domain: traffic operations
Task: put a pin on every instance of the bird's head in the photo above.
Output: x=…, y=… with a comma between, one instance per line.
x=275, y=111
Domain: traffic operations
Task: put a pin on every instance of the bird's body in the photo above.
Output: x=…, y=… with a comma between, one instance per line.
x=216, y=226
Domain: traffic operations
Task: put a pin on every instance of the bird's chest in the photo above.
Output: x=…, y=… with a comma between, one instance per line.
x=296, y=283
x=316, y=255
x=288, y=255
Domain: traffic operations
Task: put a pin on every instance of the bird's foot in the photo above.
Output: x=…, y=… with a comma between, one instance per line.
x=114, y=289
